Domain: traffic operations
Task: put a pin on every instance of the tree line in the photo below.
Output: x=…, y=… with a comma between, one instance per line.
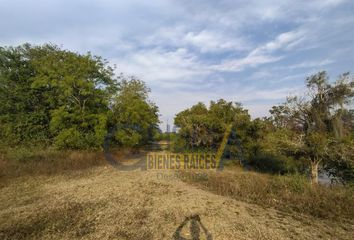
x=55, y=97
x=305, y=132
x=50, y=96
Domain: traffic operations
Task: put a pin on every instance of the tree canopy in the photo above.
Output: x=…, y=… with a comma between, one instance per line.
x=318, y=124
x=133, y=115
x=54, y=96
x=314, y=129
x=203, y=127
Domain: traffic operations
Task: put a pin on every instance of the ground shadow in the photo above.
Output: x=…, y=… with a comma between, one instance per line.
x=195, y=228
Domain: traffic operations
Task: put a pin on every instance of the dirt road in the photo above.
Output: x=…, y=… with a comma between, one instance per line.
x=104, y=203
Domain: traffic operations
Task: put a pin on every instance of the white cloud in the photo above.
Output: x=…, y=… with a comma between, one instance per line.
x=209, y=41
x=168, y=66
x=263, y=54
x=311, y=64
x=284, y=41
x=161, y=66
x=238, y=65
x=206, y=40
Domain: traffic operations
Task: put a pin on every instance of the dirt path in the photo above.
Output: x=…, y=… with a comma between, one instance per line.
x=104, y=203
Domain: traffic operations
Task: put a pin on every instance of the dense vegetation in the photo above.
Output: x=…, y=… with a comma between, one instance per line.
x=58, y=108
x=301, y=134
x=54, y=97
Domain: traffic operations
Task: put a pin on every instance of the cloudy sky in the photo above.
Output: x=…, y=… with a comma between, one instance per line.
x=255, y=51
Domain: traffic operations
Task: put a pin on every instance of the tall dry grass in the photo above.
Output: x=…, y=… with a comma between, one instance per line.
x=291, y=193
x=21, y=161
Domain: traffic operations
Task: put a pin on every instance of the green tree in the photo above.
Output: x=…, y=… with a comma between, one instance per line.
x=203, y=128
x=24, y=116
x=54, y=96
x=134, y=116
x=317, y=121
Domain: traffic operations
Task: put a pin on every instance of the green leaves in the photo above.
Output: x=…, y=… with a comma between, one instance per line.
x=50, y=95
x=203, y=127
x=320, y=120
x=53, y=95
x=134, y=116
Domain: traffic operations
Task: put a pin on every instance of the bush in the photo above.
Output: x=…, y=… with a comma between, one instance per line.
x=69, y=138
x=273, y=164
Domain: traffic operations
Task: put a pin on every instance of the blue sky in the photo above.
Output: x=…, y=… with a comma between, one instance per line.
x=253, y=52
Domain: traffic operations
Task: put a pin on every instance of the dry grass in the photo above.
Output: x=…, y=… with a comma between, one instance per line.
x=70, y=217
x=15, y=162
x=48, y=162
x=291, y=193
x=74, y=197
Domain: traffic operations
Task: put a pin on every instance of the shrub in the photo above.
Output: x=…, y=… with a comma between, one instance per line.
x=273, y=164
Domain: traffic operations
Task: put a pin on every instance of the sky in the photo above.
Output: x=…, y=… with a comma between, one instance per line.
x=255, y=52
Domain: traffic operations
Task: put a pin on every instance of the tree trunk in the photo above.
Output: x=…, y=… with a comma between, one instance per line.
x=314, y=172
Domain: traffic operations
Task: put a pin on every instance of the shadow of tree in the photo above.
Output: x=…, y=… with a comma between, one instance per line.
x=195, y=228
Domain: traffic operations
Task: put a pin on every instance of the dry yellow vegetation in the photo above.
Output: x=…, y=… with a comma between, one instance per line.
x=103, y=203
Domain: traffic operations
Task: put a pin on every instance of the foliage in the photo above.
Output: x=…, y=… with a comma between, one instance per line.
x=318, y=123
x=54, y=96
x=133, y=115
x=203, y=127
x=278, y=164
x=160, y=136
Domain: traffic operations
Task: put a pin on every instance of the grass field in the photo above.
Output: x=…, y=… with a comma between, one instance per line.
x=289, y=193
x=92, y=200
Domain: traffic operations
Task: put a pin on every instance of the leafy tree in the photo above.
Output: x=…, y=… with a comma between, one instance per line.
x=317, y=121
x=54, y=95
x=24, y=116
x=134, y=116
x=203, y=128
x=193, y=124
